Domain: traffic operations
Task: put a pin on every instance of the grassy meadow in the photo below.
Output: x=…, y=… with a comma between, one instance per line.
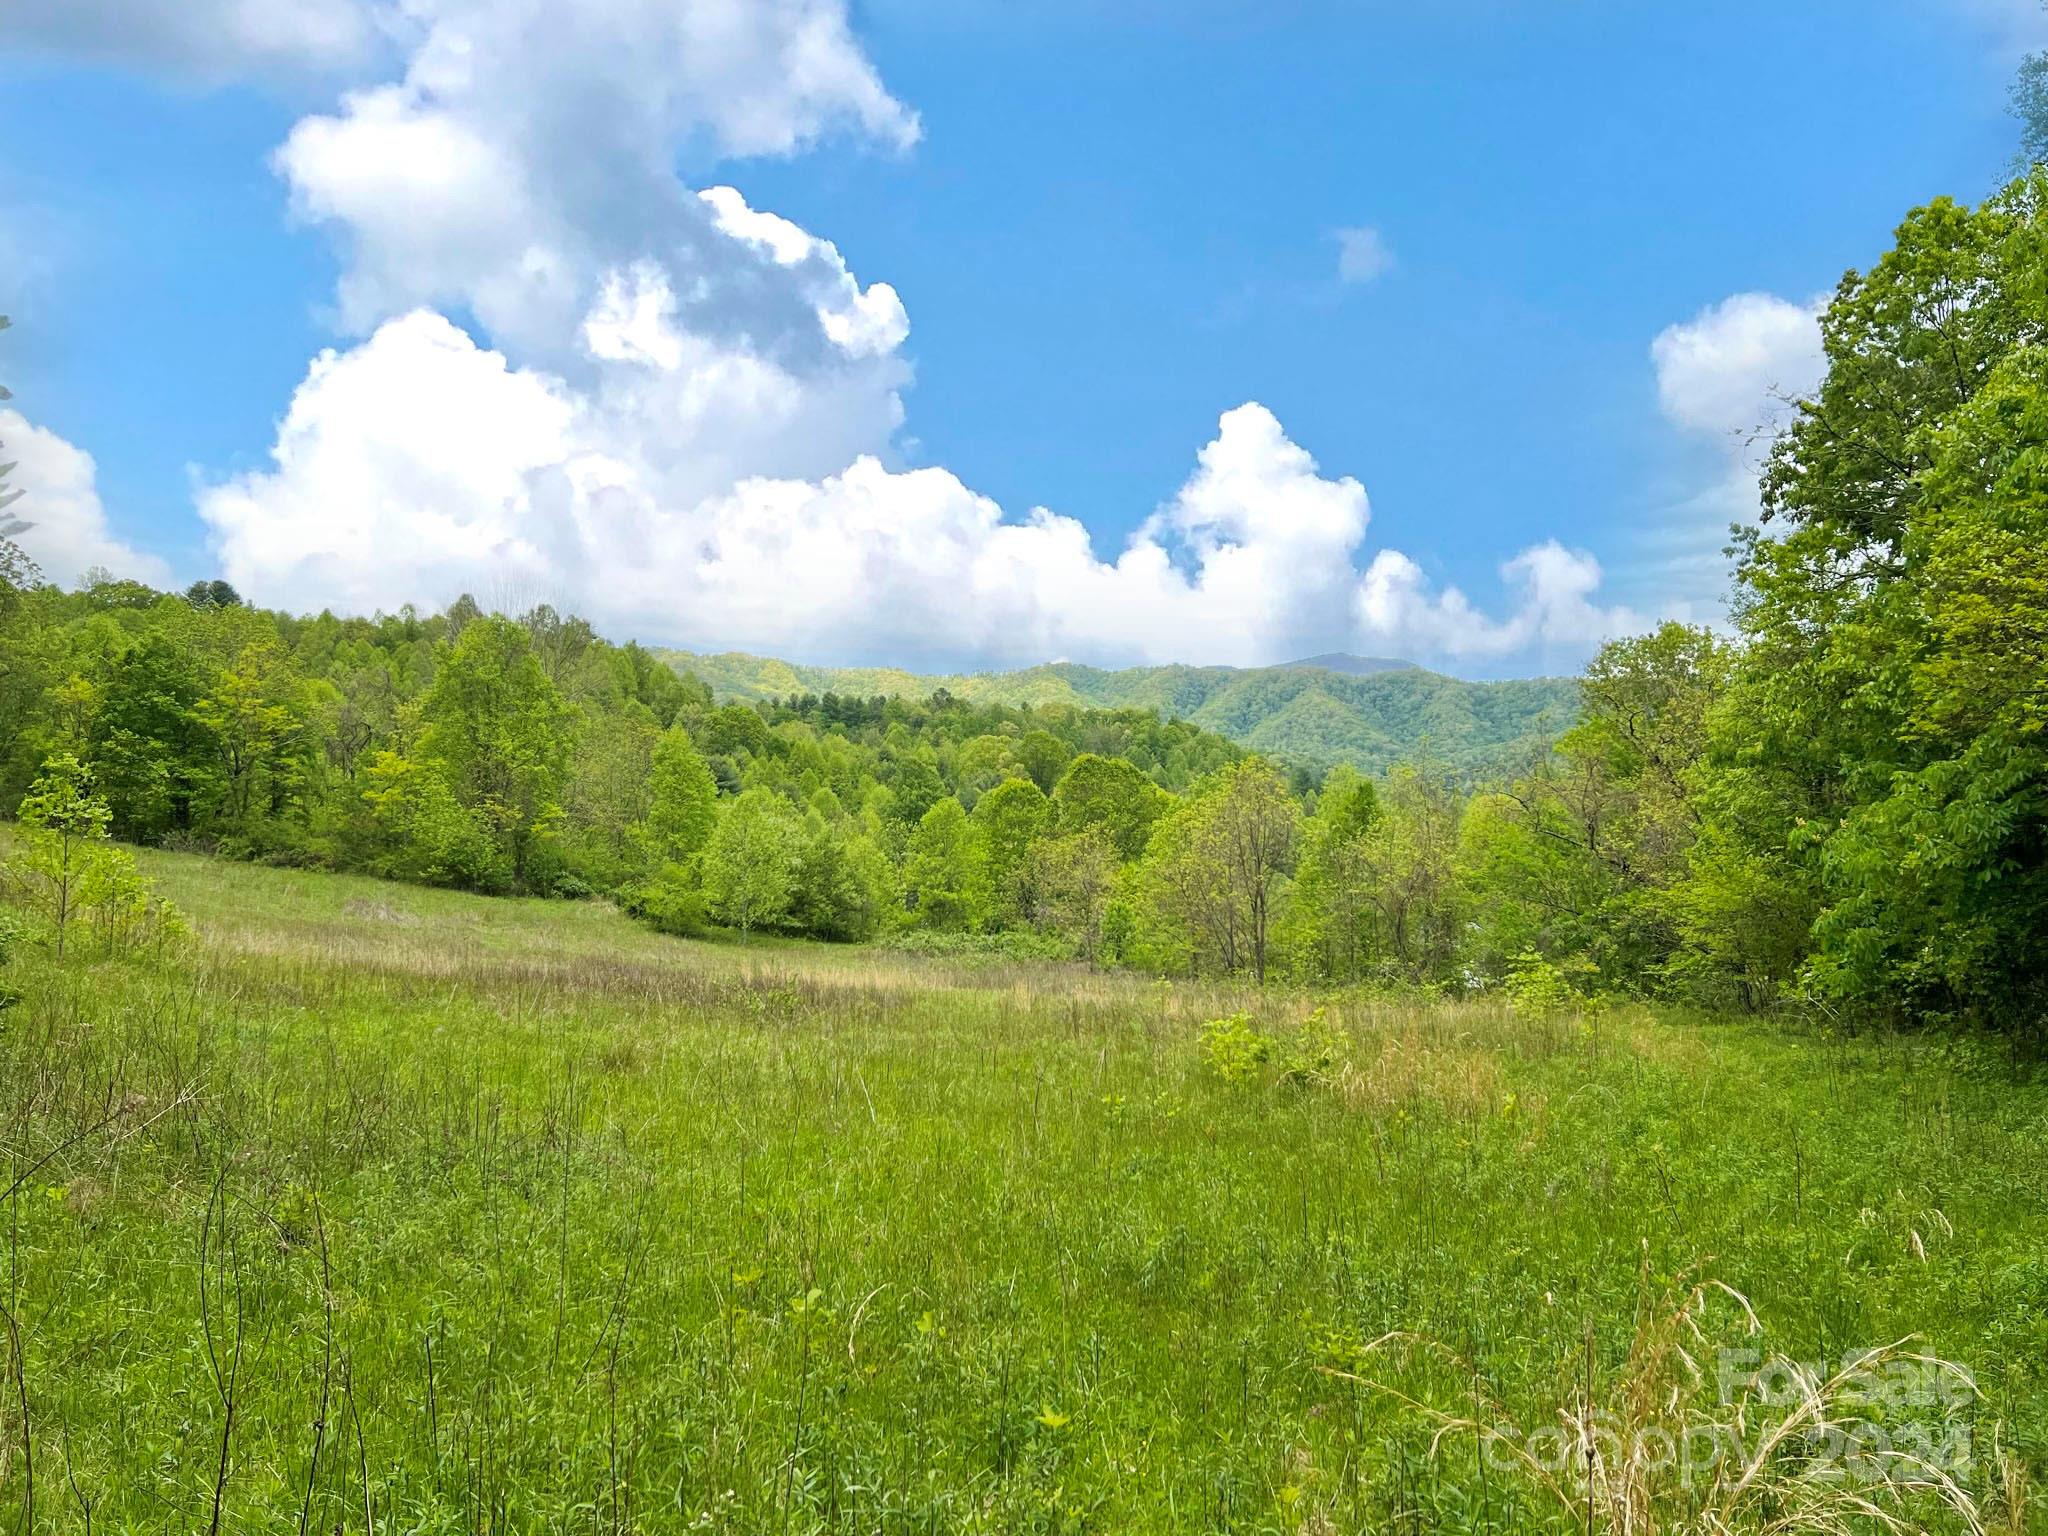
x=379, y=1208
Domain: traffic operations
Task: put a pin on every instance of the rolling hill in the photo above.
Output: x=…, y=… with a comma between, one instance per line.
x=1370, y=712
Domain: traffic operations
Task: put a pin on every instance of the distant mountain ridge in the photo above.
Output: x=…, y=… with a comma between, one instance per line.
x=1371, y=712
x=1353, y=666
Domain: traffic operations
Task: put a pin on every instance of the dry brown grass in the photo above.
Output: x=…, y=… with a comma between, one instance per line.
x=1411, y=1062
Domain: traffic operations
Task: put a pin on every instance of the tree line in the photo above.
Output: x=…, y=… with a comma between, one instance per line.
x=1842, y=801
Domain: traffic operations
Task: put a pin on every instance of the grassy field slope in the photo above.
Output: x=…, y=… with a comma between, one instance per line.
x=386, y=1208
x=1365, y=711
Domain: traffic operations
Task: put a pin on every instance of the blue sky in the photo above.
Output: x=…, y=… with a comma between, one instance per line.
x=1107, y=224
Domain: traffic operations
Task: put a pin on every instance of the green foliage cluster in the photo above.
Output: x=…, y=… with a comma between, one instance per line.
x=527, y=755
x=1846, y=803
x=1875, y=791
x=17, y=570
x=68, y=875
x=1540, y=988
x=1313, y=1052
x=1234, y=1049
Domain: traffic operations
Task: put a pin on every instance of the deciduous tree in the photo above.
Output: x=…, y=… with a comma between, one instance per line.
x=750, y=863
x=500, y=734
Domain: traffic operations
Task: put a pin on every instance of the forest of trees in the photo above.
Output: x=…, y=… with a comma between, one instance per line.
x=1372, y=714
x=1842, y=802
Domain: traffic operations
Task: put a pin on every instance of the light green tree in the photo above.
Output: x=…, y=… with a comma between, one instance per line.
x=1185, y=921
x=982, y=763
x=683, y=803
x=1110, y=793
x=942, y=869
x=609, y=794
x=1330, y=926
x=1214, y=869
x=17, y=571
x=1410, y=874
x=1253, y=825
x=1007, y=821
x=750, y=862
x=421, y=831
x=1044, y=756
x=841, y=882
x=500, y=734
x=1870, y=799
x=1935, y=883
x=1069, y=880
x=64, y=825
x=1577, y=859
x=255, y=716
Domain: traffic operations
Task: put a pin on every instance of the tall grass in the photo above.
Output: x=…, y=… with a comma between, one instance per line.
x=385, y=1209
x=1660, y=1445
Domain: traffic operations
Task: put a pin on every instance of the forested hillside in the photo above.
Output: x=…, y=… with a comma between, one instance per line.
x=1365, y=711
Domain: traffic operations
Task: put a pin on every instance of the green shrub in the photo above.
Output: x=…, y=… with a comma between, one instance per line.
x=994, y=946
x=281, y=844
x=1233, y=1049
x=122, y=912
x=1538, y=987
x=1317, y=1052
x=669, y=903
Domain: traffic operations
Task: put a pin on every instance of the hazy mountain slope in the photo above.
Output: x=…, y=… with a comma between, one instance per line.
x=1367, y=711
x=1354, y=666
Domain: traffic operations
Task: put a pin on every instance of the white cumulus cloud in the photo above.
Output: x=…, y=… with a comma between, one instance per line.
x=1554, y=616
x=68, y=533
x=419, y=464
x=1731, y=370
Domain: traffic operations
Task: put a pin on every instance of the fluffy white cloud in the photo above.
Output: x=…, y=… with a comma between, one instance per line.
x=1554, y=615
x=522, y=168
x=68, y=533
x=1250, y=560
x=420, y=464
x=427, y=208
x=1363, y=255
x=1727, y=379
x=758, y=76
x=528, y=147
x=683, y=420
x=401, y=469
x=862, y=322
x=1731, y=370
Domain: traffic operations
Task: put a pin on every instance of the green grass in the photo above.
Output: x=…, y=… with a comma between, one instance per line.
x=570, y=1226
